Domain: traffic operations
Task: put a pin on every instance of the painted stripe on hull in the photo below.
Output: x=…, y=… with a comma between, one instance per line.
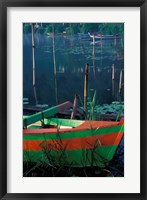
x=73, y=144
x=83, y=127
x=70, y=134
x=76, y=158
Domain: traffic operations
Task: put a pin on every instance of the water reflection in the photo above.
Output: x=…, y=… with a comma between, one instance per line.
x=72, y=53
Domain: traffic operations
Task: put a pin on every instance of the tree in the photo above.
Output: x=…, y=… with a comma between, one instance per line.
x=112, y=28
x=89, y=27
x=27, y=28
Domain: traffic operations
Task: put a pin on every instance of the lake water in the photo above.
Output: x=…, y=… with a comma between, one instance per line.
x=72, y=54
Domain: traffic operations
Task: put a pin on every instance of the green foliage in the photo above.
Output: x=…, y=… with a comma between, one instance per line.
x=27, y=28
x=112, y=28
x=59, y=27
x=40, y=30
x=115, y=108
x=89, y=27
x=92, y=108
x=48, y=29
x=74, y=28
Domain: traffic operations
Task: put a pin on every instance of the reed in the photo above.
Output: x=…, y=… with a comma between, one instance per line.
x=92, y=108
x=86, y=87
x=49, y=167
x=58, y=165
x=120, y=82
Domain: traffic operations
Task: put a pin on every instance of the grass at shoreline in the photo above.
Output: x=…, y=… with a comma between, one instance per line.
x=115, y=168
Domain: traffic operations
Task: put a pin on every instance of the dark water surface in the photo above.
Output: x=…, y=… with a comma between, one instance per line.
x=72, y=54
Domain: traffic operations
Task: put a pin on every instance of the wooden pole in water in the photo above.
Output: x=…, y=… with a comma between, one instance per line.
x=54, y=60
x=93, y=39
x=115, y=40
x=120, y=82
x=113, y=72
x=33, y=56
x=86, y=87
x=93, y=57
x=74, y=107
x=122, y=45
x=113, y=88
x=93, y=52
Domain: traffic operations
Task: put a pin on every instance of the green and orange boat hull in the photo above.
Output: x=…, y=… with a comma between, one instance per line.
x=72, y=143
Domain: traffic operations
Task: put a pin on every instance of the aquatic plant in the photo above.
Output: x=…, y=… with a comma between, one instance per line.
x=54, y=160
x=91, y=111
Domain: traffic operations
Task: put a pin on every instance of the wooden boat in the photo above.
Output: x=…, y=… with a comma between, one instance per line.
x=65, y=142
x=101, y=36
x=63, y=110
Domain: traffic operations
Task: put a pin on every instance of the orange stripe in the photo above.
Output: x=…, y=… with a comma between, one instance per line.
x=46, y=130
x=75, y=143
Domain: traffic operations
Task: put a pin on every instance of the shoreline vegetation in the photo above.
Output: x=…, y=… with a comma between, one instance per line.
x=48, y=168
x=94, y=109
x=75, y=28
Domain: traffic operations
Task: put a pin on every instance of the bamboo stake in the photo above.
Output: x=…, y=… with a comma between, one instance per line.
x=122, y=43
x=93, y=52
x=74, y=107
x=86, y=87
x=54, y=60
x=93, y=39
x=120, y=82
x=113, y=72
x=33, y=56
x=115, y=40
x=93, y=58
x=113, y=88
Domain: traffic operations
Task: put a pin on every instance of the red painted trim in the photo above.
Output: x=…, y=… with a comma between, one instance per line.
x=76, y=143
x=63, y=106
x=121, y=121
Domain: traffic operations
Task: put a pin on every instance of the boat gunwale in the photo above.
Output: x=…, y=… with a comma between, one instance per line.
x=83, y=127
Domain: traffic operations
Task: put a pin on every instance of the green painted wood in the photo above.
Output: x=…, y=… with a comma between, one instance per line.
x=72, y=134
x=65, y=122
x=46, y=113
x=40, y=116
x=75, y=158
